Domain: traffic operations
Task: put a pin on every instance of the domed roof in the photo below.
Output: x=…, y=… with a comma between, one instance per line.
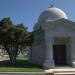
x=52, y=14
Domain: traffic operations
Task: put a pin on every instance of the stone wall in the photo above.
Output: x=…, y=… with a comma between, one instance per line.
x=38, y=48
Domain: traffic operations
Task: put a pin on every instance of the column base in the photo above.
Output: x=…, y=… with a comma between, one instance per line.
x=49, y=64
x=73, y=63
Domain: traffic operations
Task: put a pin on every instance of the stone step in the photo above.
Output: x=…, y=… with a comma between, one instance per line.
x=61, y=71
x=65, y=73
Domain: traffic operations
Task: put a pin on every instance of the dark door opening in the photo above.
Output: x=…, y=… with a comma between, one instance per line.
x=59, y=54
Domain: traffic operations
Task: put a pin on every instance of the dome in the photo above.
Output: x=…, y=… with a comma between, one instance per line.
x=52, y=14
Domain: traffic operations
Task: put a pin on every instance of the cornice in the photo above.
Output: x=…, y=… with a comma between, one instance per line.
x=61, y=22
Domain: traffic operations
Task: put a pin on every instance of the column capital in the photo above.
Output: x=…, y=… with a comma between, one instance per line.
x=73, y=40
x=49, y=40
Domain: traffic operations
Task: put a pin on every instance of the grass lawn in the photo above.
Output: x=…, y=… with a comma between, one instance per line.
x=22, y=66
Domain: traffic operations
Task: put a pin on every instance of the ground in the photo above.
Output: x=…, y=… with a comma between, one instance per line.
x=22, y=65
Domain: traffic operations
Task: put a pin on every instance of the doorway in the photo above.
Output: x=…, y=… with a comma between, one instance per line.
x=59, y=55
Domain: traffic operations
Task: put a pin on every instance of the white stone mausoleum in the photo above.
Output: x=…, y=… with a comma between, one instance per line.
x=54, y=39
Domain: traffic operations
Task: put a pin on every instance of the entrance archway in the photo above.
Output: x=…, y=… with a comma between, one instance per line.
x=59, y=54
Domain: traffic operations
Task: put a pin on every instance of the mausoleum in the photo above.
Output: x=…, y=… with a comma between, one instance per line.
x=53, y=39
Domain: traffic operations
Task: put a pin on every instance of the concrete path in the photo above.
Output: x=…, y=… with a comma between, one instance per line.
x=22, y=73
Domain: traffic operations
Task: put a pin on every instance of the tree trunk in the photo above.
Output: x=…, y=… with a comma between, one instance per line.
x=13, y=59
x=12, y=55
x=12, y=52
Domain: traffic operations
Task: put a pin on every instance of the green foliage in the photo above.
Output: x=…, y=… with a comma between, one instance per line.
x=5, y=23
x=13, y=37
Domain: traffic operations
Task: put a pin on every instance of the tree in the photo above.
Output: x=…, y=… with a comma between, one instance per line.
x=14, y=38
x=6, y=28
x=19, y=32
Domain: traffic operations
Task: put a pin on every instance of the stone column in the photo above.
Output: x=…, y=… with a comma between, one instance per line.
x=73, y=52
x=49, y=62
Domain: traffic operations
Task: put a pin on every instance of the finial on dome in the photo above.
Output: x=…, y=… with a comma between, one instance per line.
x=51, y=6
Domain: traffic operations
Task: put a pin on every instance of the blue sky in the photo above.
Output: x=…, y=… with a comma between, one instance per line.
x=28, y=11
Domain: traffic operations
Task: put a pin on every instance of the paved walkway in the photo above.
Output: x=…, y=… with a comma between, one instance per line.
x=22, y=73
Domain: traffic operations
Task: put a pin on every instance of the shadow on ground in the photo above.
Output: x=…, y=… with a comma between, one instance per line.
x=19, y=64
